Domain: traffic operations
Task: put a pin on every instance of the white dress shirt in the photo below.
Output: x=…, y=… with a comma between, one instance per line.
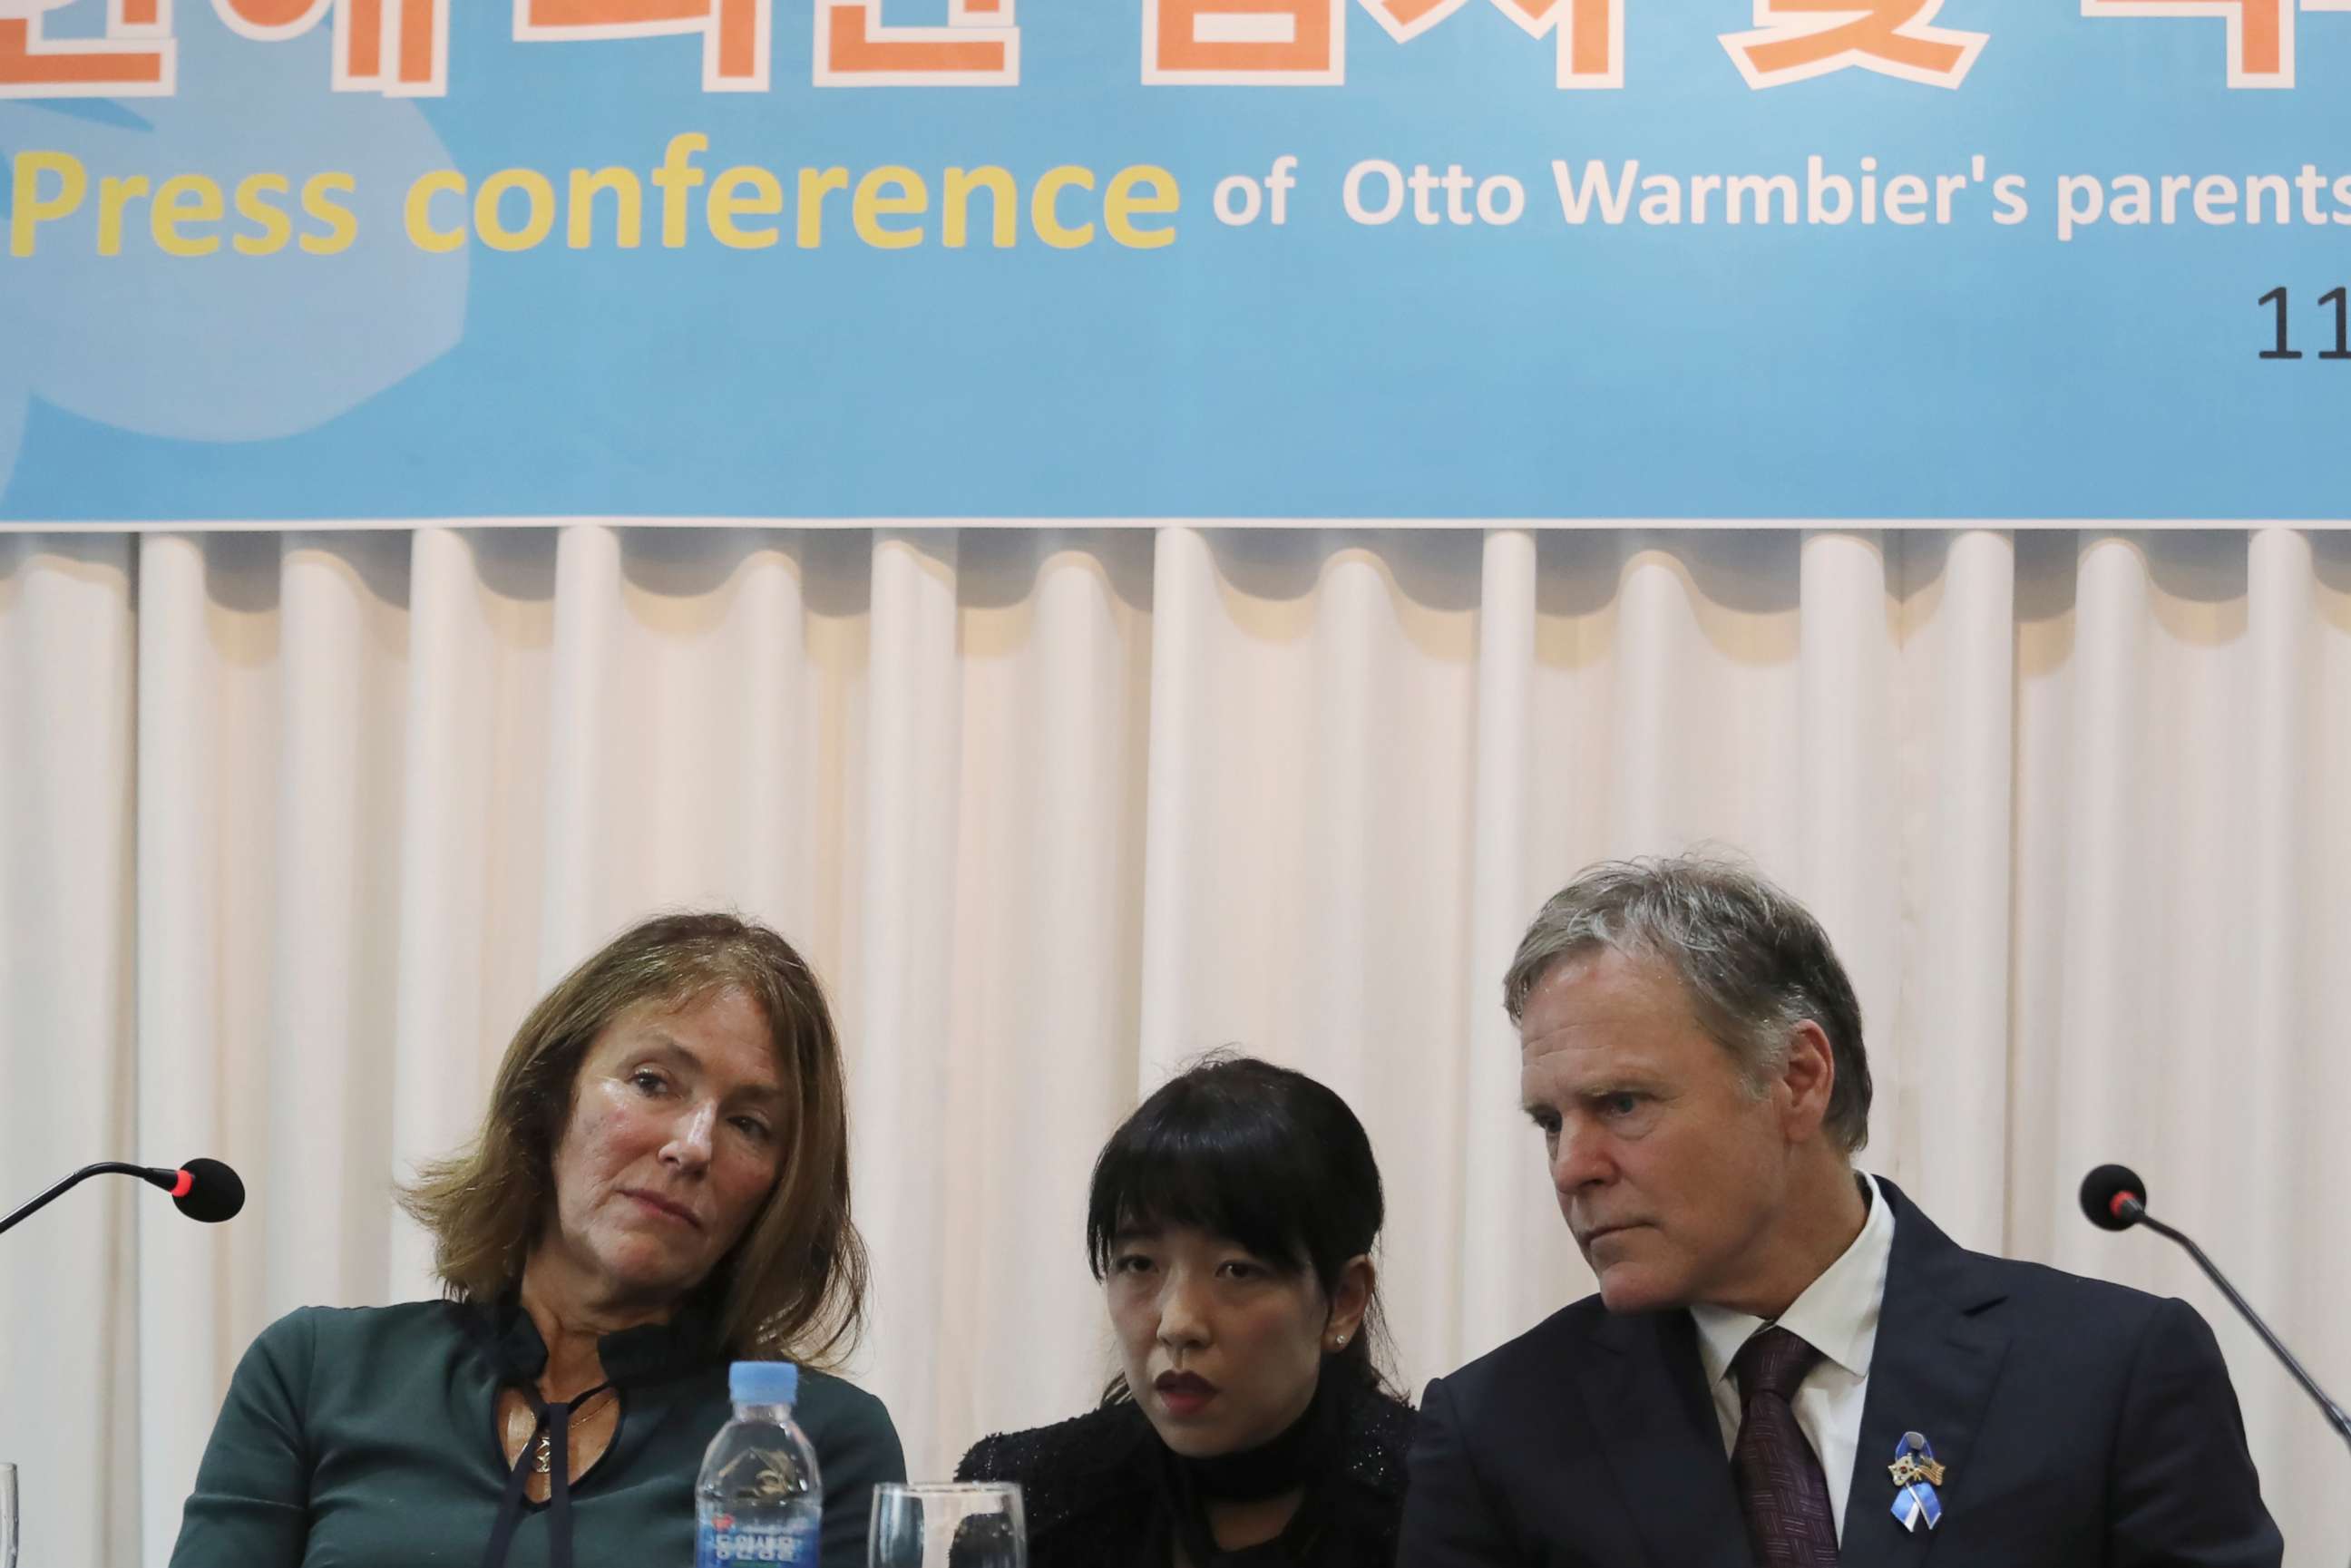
x=1836, y=1315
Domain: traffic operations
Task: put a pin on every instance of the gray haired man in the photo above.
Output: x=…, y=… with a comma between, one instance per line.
x=1787, y=1364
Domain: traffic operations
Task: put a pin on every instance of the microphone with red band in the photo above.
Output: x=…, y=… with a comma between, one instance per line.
x=2113, y=1198
x=206, y=1191
x=203, y=1190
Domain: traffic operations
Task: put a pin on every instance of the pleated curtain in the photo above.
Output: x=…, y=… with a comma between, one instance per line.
x=294, y=828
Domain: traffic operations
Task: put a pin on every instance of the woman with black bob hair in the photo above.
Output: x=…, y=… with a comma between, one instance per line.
x=1231, y=1222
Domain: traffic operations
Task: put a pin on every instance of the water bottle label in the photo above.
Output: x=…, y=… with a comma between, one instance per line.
x=724, y=1541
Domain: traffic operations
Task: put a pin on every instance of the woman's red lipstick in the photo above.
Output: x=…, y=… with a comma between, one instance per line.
x=1184, y=1393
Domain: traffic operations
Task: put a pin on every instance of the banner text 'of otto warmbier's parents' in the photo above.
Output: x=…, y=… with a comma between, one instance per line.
x=57, y=202
x=1376, y=193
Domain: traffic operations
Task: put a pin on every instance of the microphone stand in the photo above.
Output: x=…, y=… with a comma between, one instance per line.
x=2127, y=1206
x=2131, y=1211
x=104, y=1167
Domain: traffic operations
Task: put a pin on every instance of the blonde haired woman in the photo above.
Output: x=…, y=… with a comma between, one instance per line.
x=661, y=1187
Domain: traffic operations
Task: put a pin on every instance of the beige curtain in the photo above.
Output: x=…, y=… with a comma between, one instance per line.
x=294, y=827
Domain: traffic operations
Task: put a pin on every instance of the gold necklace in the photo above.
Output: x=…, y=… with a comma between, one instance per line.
x=543, y=1457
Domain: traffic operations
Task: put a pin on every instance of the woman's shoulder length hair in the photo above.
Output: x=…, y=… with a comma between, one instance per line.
x=1261, y=1154
x=794, y=1285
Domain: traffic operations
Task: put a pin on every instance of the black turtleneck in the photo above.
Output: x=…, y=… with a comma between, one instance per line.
x=1282, y=1463
x=1101, y=1490
x=1298, y=1458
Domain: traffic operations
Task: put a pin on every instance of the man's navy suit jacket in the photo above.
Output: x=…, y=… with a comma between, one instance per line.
x=2081, y=1424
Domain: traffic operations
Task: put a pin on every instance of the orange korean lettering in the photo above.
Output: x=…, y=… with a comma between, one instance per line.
x=736, y=34
x=422, y=29
x=1245, y=42
x=1793, y=40
x=271, y=18
x=400, y=47
x=136, y=57
x=979, y=47
x=2260, y=32
x=1591, y=33
x=1590, y=36
x=360, y=42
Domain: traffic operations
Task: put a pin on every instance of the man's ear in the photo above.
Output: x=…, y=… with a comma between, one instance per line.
x=1807, y=1080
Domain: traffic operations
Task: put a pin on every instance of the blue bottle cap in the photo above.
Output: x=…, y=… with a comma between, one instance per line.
x=763, y=1382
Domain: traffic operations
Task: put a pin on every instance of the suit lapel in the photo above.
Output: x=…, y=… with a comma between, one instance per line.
x=1645, y=1393
x=1940, y=1346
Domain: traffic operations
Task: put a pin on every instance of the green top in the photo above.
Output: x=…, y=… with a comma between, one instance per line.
x=368, y=1437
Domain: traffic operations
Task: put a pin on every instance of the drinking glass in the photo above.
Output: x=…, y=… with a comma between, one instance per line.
x=975, y=1526
x=7, y=1516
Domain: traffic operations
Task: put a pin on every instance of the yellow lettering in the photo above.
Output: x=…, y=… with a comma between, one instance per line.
x=673, y=179
x=538, y=200
x=343, y=228
x=1042, y=213
x=766, y=200
x=1121, y=205
x=276, y=227
x=112, y=193
x=28, y=209
x=1004, y=199
x=628, y=199
x=185, y=199
x=419, y=211
x=814, y=184
x=869, y=206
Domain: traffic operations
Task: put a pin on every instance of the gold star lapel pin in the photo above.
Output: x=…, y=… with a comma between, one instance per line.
x=1910, y=1468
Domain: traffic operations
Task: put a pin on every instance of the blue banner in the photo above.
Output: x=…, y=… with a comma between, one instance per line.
x=306, y=260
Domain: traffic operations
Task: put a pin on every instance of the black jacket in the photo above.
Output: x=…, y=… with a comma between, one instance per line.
x=2081, y=1424
x=1094, y=1490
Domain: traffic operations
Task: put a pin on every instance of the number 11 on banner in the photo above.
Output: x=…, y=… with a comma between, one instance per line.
x=2339, y=297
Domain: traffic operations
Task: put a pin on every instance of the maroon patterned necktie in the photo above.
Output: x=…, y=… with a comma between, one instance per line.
x=1780, y=1488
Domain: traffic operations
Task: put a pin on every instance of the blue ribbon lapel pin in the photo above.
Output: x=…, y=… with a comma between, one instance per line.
x=1916, y=1476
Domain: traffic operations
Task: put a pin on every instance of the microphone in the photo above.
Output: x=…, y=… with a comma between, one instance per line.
x=207, y=1191
x=2113, y=1198
x=203, y=1190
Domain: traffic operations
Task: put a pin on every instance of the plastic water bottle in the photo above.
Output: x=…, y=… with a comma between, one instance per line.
x=759, y=1499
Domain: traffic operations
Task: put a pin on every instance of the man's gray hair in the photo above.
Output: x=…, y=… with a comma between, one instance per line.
x=1753, y=962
